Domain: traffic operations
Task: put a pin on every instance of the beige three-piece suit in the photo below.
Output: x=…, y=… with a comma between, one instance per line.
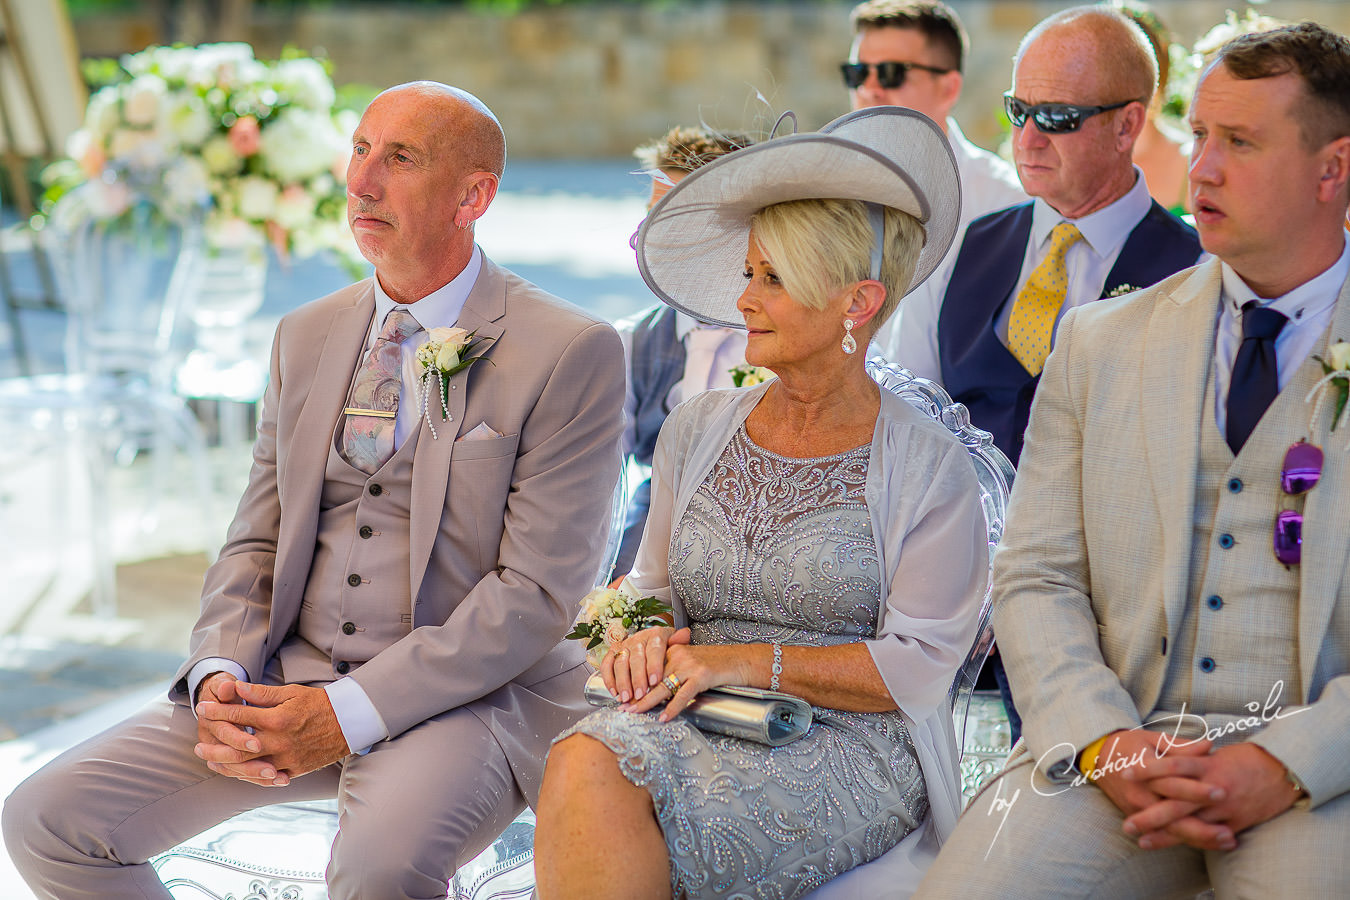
x=466, y=559
x=1137, y=577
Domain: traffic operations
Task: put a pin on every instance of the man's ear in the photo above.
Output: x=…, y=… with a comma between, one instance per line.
x=1129, y=125
x=949, y=86
x=479, y=190
x=1335, y=166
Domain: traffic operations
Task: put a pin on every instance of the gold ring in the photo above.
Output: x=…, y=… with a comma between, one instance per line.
x=622, y=654
x=672, y=683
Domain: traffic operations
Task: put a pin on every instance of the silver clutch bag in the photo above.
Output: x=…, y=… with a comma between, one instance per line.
x=751, y=714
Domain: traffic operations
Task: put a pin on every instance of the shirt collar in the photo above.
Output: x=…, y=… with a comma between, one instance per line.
x=439, y=308
x=1308, y=299
x=1105, y=230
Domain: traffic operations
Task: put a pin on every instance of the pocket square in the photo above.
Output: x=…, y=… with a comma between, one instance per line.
x=481, y=432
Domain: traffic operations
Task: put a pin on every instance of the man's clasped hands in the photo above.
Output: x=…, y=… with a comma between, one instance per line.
x=1185, y=792
x=265, y=734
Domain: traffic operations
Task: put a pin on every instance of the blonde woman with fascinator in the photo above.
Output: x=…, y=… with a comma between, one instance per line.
x=813, y=534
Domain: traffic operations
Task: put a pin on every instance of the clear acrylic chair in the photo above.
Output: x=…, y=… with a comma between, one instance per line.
x=279, y=852
x=125, y=273
x=995, y=474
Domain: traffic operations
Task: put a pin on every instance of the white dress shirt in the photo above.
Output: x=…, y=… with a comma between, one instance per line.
x=710, y=353
x=361, y=724
x=1088, y=262
x=1309, y=308
x=988, y=183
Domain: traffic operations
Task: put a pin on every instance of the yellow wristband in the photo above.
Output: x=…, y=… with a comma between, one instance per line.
x=1087, y=760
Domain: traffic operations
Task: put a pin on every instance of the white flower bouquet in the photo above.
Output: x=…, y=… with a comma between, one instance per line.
x=609, y=615
x=259, y=144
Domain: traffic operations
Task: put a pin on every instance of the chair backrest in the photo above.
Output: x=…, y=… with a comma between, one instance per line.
x=125, y=271
x=618, y=513
x=995, y=474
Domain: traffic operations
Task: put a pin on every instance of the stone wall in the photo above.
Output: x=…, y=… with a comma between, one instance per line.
x=596, y=80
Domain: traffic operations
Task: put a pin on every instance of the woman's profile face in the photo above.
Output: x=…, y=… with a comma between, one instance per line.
x=780, y=330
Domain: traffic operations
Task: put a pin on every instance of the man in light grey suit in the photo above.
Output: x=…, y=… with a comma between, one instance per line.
x=382, y=628
x=1173, y=590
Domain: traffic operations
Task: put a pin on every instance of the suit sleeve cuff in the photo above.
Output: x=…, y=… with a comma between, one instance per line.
x=361, y=724
x=210, y=666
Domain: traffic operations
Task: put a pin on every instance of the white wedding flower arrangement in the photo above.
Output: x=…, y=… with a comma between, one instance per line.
x=746, y=375
x=608, y=615
x=259, y=144
x=448, y=352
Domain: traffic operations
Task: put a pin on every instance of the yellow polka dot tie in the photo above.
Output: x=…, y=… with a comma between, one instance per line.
x=1032, y=322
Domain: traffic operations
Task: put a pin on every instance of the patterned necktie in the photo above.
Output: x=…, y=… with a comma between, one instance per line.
x=1032, y=323
x=1256, y=372
x=368, y=434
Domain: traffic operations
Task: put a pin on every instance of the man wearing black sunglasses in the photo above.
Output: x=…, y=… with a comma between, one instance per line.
x=910, y=53
x=1172, y=593
x=1081, y=83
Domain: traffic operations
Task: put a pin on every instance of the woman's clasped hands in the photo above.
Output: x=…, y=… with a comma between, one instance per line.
x=659, y=665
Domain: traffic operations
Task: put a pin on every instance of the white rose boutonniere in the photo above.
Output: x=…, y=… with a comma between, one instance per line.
x=1337, y=373
x=609, y=615
x=1121, y=290
x=746, y=375
x=448, y=352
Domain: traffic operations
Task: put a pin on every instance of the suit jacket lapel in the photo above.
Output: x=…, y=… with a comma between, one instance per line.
x=1173, y=403
x=483, y=309
x=301, y=482
x=1326, y=540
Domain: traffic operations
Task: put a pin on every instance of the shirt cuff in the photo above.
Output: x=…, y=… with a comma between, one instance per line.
x=362, y=725
x=210, y=666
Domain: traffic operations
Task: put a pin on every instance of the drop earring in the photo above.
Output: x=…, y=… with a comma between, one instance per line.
x=848, y=344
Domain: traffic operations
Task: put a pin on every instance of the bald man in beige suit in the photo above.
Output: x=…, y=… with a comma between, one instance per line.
x=389, y=630
x=1185, y=685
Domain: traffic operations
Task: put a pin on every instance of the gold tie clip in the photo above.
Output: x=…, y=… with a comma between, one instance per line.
x=379, y=413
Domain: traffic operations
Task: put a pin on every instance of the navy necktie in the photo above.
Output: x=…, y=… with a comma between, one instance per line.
x=1256, y=374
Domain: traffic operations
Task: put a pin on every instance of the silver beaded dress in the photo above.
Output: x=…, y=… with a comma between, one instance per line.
x=774, y=549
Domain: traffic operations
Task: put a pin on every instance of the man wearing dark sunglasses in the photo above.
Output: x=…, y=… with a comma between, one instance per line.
x=1081, y=83
x=910, y=53
x=1172, y=593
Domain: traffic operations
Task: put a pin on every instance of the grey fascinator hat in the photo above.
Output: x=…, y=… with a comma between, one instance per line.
x=691, y=247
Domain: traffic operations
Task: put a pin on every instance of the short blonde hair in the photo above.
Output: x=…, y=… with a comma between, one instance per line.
x=821, y=246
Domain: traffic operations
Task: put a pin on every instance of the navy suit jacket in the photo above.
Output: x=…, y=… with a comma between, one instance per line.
x=977, y=369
